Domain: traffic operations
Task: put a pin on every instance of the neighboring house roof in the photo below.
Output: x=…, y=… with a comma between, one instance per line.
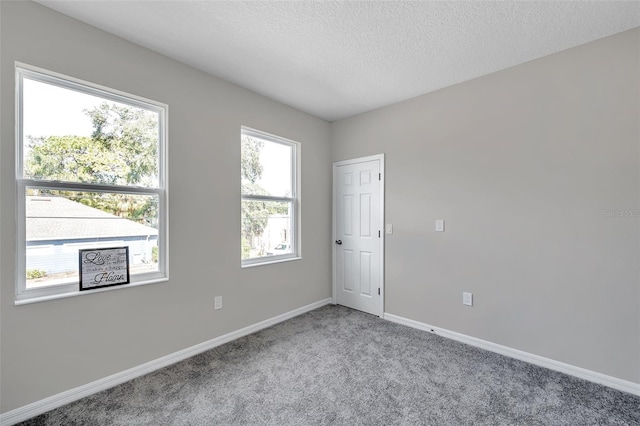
x=57, y=218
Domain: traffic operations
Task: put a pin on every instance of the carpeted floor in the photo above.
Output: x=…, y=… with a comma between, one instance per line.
x=343, y=367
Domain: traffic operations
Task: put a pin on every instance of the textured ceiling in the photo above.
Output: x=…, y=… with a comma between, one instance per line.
x=335, y=59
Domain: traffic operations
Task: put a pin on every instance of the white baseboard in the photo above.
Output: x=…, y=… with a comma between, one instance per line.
x=582, y=373
x=39, y=407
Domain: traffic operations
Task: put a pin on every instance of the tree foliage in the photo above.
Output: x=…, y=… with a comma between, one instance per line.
x=122, y=150
x=250, y=161
x=255, y=214
x=133, y=134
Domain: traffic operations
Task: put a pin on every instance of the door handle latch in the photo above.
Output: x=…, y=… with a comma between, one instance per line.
x=339, y=242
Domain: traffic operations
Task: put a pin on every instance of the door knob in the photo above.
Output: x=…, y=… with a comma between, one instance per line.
x=339, y=242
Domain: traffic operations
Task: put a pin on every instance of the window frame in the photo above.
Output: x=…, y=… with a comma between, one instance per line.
x=296, y=252
x=22, y=293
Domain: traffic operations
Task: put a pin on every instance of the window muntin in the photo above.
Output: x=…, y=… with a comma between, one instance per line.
x=269, y=205
x=90, y=173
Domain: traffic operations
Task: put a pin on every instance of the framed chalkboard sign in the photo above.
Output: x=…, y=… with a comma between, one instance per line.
x=103, y=267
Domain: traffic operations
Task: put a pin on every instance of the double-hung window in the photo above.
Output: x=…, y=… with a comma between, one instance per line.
x=270, y=198
x=90, y=174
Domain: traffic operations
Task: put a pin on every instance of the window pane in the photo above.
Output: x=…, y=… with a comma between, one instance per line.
x=59, y=223
x=76, y=137
x=266, y=167
x=266, y=228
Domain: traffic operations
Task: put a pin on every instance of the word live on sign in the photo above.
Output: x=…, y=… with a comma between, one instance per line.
x=104, y=267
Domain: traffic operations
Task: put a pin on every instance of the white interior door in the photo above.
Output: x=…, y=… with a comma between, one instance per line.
x=358, y=237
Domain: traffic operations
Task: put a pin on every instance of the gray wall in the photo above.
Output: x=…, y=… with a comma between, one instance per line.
x=54, y=346
x=523, y=165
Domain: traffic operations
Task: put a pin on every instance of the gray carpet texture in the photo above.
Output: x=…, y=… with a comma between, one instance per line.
x=337, y=366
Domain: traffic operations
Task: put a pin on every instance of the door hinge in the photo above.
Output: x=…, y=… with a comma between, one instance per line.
x=378, y=234
x=379, y=176
x=378, y=291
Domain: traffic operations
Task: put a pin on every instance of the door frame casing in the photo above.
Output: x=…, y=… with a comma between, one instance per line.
x=336, y=164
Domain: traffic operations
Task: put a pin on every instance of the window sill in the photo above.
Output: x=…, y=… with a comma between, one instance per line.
x=37, y=299
x=270, y=262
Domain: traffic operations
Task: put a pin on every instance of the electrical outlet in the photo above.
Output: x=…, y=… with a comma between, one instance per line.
x=439, y=225
x=467, y=299
x=217, y=302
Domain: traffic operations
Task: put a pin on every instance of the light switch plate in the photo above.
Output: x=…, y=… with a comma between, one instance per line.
x=389, y=228
x=467, y=299
x=439, y=225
